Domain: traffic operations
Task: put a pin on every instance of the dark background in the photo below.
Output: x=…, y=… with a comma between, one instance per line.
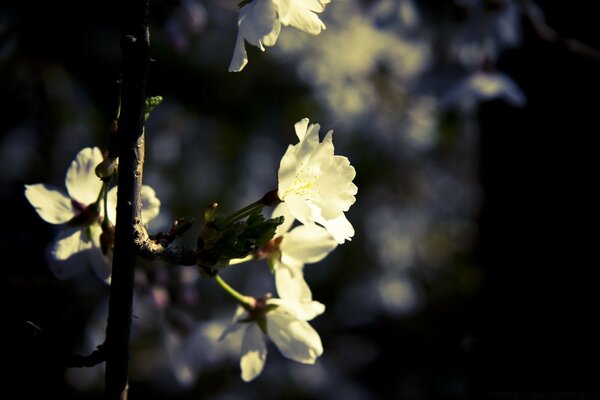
x=531, y=326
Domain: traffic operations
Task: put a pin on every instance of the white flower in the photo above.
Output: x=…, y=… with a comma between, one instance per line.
x=80, y=213
x=74, y=244
x=259, y=23
x=317, y=185
x=289, y=251
x=292, y=335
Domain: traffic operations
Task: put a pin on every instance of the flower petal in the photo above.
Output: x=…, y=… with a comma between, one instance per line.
x=296, y=340
x=300, y=15
x=51, y=204
x=101, y=263
x=82, y=183
x=111, y=205
x=234, y=325
x=306, y=244
x=295, y=293
x=68, y=255
x=340, y=228
x=240, y=56
x=282, y=210
x=254, y=352
x=150, y=204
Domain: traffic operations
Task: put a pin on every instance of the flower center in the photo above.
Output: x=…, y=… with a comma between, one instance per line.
x=305, y=186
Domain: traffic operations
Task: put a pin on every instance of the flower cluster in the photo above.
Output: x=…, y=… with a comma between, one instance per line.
x=315, y=188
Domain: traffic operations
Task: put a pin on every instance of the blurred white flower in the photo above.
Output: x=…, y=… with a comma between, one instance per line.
x=287, y=254
x=80, y=211
x=259, y=23
x=279, y=320
x=481, y=86
x=315, y=184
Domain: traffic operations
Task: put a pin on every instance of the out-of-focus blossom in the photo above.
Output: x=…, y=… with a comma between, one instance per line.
x=260, y=22
x=280, y=321
x=287, y=254
x=363, y=65
x=79, y=211
x=481, y=86
x=317, y=185
x=487, y=28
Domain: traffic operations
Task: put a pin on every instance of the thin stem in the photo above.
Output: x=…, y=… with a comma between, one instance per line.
x=242, y=213
x=245, y=301
x=235, y=261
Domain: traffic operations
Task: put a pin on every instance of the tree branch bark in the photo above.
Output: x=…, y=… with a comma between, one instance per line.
x=135, y=51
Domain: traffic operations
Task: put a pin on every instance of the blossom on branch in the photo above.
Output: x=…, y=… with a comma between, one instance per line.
x=315, y=184
x=259, y=23
x=281, y=322
x=287, y=253
x=80, y=211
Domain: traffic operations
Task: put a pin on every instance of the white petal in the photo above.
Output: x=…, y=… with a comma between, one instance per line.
x=307, y=244
x=300, y=15
x=101, y=263
x=340, y=228
x=51, y=204
x=69, y=253
x=240, y=56
x=259, y=26
x=301, y=128
x=150, y=204
x=302, y=210
x=254, y=353
x=296, y=340
x=69, y=242
x=291, y=286
x=82, y=183
x=282, y=210
x=258, y=23
x=234, y=325
x=111, y=205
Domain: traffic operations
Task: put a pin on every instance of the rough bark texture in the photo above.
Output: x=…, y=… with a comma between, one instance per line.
x=135, y=50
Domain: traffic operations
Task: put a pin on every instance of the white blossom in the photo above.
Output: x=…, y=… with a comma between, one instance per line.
x=80, y=212
x=289, y=251
x=279, y=320
x=260, y=21
x=315, y=184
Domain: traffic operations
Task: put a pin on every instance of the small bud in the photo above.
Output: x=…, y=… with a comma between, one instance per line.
x=151, y=103
x=210, y=213
x=106, y=168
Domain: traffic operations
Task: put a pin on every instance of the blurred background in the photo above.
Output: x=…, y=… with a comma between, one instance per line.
x=470, y=124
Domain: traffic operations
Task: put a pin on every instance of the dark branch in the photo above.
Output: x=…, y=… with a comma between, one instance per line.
x=130, y=134
x=79, y=361
x=545, y=32
x=157, y=249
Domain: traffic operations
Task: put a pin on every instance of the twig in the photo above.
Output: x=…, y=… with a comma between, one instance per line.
x=135, y=50
x=545, y=32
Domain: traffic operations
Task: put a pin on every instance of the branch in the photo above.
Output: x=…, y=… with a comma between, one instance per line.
x=157, y=249
x=545, y=32
x=79, y=361
x=130, y=133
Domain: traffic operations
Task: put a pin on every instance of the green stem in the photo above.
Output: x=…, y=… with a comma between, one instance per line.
x=242, y=213
x=245, y=301
x=235, y=261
